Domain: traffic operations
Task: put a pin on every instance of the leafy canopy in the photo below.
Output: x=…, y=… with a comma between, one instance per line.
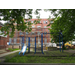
x=64, y=23
x=17, y=16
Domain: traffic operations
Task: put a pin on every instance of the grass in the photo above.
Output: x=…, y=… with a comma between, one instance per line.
x=37, y=58
x=13, y=49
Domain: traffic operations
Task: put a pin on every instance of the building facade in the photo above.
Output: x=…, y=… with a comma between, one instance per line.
x=3, y=39
x=37, y=29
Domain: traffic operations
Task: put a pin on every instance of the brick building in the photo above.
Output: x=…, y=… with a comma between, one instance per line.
x=37, y=29
x=3, y=39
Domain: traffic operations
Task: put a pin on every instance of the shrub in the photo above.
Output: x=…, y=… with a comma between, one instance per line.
x=13, y=49
x=64, y=48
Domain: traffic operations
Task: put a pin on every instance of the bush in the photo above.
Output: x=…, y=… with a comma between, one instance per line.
x=64, y=48
x=13, y=49
x=27, y=48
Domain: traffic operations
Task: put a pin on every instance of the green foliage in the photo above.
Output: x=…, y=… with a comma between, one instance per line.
x=13, y=49
x=65, y=23
x=16, y=16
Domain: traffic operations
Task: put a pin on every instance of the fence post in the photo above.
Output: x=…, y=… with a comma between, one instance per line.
x=29, y=45
x=59, y=42
x=35, y=45
x=42, y=43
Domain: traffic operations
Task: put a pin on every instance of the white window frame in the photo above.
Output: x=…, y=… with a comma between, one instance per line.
x=38, y=26
x=33, y=26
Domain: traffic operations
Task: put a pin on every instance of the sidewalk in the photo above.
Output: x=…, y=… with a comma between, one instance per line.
x=4, y=54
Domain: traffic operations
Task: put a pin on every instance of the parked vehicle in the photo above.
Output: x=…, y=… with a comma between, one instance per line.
x=69, y=45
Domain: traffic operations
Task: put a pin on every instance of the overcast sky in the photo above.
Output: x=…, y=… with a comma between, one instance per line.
x=43, y=14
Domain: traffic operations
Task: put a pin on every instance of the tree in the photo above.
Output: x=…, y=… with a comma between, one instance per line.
x=64, y=23
x=17, y=16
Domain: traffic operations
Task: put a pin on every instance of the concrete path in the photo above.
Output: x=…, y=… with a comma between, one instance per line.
x=4, y=54
x=70, y=51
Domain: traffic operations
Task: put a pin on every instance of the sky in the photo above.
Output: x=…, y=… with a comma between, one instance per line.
x=43, y=14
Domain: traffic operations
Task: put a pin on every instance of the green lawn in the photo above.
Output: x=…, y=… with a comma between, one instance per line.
x=39, y=59
x=13, y=49
x=42, y=59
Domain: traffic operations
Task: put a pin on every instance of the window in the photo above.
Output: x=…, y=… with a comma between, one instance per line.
x=32, y=39
x=32, y=33
x=31, y=21
x=26, y=32
x=45, y=40
x=38, y=26
x=26, y=41
x=10, y=40
x=45, y=27
x=38, y=40
x=44, y=22
x=33, y=26
x=20, y=40
x=51, y=21
x=20, y=33
x=15, y=40
x=38, y=33
x=45, y=33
